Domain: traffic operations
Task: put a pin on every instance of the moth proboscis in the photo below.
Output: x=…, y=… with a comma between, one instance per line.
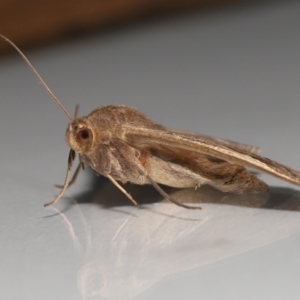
x=124, y=145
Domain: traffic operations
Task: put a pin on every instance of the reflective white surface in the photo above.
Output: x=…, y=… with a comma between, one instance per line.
x=232, y=74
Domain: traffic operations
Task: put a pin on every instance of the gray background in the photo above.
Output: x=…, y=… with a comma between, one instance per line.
x=232, y=73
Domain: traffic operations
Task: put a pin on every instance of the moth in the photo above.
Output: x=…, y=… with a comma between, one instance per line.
x=122, y=144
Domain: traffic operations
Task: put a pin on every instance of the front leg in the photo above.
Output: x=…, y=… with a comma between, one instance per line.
x=71, y=159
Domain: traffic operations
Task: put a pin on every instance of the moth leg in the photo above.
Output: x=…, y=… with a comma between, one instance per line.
x=167, y=196
x=163, y=193
x=121, y=189
x=72, y=181
x=135, y=163
x=70, y=163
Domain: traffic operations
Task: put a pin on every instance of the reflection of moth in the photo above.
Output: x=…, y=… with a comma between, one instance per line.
x=122, y=144
x=143, y=247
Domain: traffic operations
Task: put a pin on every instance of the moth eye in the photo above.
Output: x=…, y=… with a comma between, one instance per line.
x=84, y=138
x=84, y=134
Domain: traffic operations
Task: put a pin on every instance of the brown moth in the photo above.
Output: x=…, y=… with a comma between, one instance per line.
x=123, y=145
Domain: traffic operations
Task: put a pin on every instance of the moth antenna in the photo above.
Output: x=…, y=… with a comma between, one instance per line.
x=76, y=111
x=37, y=75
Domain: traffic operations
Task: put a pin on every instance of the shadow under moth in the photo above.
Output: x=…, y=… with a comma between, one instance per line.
x=124, y=145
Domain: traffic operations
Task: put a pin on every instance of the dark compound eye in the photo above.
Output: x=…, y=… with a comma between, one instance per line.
x=84, y=134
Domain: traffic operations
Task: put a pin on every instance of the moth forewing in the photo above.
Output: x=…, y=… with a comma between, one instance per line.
x=172, y=144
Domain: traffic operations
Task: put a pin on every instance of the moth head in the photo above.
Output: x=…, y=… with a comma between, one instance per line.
x=79, y=136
